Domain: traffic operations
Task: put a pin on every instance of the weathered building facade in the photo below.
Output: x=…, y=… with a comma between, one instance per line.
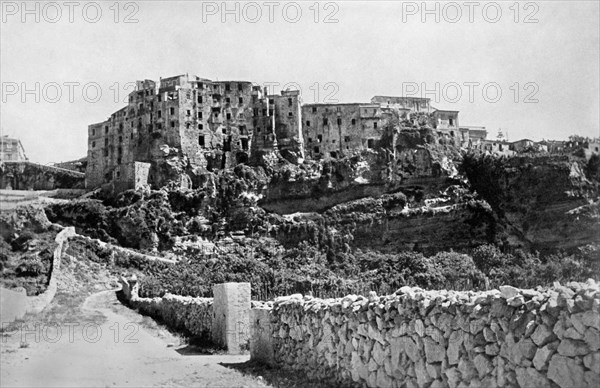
x=11, y=149
x=189, y=123
x=331, y=130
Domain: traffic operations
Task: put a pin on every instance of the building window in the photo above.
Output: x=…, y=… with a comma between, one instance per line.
x=172, y=124
x=290, y=114
x=375, y=125
x=159, y=113
x=199, y=99
x=353, y=121
x=201, y=140
x=316, y=149
x=228, y=116
x=106, y=129
x=188, y=112
x=320, y=138
x=200, y=126
x=258, y=130
x=289, y=102
x=105, y=142
x=347, y=139
x=159, y=126
x=314, y=109
x=271, y=101
x=228, y=100
x=451, y=121
x=93, y=131
x=240, y=100
x=308, y=123
x=240, y=87
x=264, y=112
x=172, y=110
x=120, y=139
x=228, y=87
x=339, y=121
x=325, y=121
x=370, y=143
x=93, y=144
x=333, y=154
x=333, y=141
x=255, y=112
x=199, y=115
x=310, y=139
x=224, y=130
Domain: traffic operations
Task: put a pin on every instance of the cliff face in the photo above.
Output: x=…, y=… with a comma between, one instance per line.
x=409, y=196
x=547, y=201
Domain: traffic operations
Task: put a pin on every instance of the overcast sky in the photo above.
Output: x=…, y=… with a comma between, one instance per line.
x=542, y=56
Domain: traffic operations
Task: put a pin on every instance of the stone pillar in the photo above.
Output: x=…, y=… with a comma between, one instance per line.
x=231, y=315
x=261, y=340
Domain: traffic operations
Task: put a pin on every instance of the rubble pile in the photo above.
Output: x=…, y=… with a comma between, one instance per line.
x=416, y=338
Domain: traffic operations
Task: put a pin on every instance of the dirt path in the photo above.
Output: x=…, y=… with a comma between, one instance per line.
x=97, y=342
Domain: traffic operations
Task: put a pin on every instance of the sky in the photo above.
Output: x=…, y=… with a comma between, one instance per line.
x=529, y=69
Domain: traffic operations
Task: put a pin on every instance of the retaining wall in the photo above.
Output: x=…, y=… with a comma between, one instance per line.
x=416, y=338
x=15, y=303
x=219, y=319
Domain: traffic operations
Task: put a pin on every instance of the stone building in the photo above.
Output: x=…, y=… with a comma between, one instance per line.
x=187, y=123
x=11, y=149
x=404, y=104
x=331, y=130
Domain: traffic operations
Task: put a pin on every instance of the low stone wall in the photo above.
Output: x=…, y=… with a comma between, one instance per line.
x=222, y=320
x=416, y=338
x=15, y=303
x=193, y=315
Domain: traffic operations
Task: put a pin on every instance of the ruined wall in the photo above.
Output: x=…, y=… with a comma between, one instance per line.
x=416, y=338
x=26, y=175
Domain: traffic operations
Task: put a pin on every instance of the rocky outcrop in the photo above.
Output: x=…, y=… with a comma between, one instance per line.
x=547, y=201
x=501, y=338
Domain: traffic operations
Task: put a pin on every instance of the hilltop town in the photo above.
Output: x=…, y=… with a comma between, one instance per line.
x=181, y=126
x=211, y=125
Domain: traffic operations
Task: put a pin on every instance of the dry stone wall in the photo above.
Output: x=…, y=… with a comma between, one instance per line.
x=224, y=319
x=193, y=315
x=14, y=304
x=416, y=338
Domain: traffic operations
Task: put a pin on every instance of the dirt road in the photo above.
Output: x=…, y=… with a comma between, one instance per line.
x=97, y=342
